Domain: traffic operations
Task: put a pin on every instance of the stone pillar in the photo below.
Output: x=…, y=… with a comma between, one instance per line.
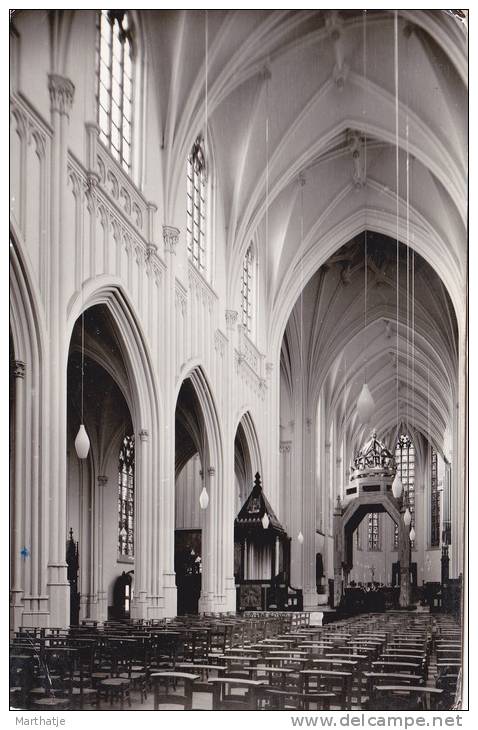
x=167, y=509
x=141, y=543
x=404, y=550
x=85, y=539
x=207, y=601
x=445, y=565
x=99, y=607
x=338, y=551
x=61, y=97
x=309, y=514
x=228, y=490
x=18, y=549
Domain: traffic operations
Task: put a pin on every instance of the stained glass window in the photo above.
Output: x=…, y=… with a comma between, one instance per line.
x=126, y=498
x=435, y=503
x=247, y=293
x=405, y=459
x=115, y=83
x=373, y=531
x=196, y=206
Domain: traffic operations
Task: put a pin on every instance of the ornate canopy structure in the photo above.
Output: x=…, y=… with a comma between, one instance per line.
x=373, y=459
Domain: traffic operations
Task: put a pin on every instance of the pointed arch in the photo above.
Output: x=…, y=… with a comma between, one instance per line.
x=246, y=421
x=146, y=398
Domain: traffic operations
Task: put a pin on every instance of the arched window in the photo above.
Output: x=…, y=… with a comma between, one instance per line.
x=196, y=205
x=247, y=290
x=373, y=531
x=434, y=502
x=115, y=66
x=126, y=498
x=405, y=459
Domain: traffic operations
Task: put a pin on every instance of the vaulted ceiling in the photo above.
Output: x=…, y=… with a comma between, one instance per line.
x=292, y=95
x=335, y=339
x=322, y=125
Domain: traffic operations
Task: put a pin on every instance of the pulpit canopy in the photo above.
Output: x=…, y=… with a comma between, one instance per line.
x=249, y=521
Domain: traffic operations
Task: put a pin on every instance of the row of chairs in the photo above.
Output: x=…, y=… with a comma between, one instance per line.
x=249, y=662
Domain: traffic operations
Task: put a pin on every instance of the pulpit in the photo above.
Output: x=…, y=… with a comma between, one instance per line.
x=262, y=557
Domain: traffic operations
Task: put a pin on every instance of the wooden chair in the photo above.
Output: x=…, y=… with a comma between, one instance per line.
x=223, y=697
x=159, y=679
x=322, y=680
x=398, y=697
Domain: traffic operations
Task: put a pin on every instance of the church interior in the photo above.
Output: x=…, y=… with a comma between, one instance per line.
x=238, y=359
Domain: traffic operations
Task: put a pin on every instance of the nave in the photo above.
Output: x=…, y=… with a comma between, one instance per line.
x=238, y=355
x=259, y=661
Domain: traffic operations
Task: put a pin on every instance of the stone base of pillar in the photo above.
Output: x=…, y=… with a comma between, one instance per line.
x=338, y=585
x=99, y=607
x=170, y=596
x=16, y=610
x=59, y=605
x=310, y=598
x=208, y=603
x=35, y=612
x=85, y=607
x=139, y=606
x=230, y=602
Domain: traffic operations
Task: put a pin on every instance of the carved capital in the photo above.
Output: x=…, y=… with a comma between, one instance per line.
x=62, y=91
x=220, y=342
x=170, y=238
x=102, y=480
x=231, y=318
x=92, y=180
x=211, y=471
x=144, y=434
x=285, y=447
x=18, y=369
x=151, y=249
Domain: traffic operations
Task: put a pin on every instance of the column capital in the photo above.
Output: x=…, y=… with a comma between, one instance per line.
x=144, y=434
x=170, y=238
x=62, y=91
x=231, y=318
x=102, y=480
x=18, y=369
x=285, y=446
x=211, y=471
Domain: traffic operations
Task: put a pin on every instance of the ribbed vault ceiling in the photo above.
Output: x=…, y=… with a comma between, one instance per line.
x=286, y=90
x=332, y=342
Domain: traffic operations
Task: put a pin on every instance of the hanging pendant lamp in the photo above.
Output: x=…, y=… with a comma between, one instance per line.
x=300, y=537
x=82, y=443
x=407, y=517
x=412, y=534
x=265, y=521
x=365, y=405
x=204, y=498
x=397, y=486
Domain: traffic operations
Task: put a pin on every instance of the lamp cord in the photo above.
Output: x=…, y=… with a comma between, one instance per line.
x=365, y=185
x=82, y=358
x=397, y=187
